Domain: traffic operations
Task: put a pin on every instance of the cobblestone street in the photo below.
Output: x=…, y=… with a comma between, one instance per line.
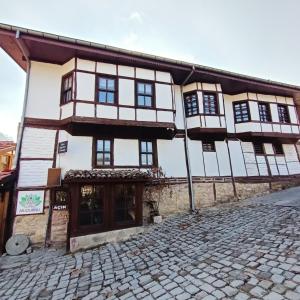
x=239, y=251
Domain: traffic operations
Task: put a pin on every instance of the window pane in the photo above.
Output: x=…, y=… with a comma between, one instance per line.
x=100, y=161
x=149, y=146
x=107, y=145
x=144, y=159
x=150, y=159
x=144, y=146
x=107, y=159
x=100, y=145
x=111, y=84
x=141, y=88
x=148, y=101
x=141, y=100
x=110, y=97
x=102, y=97
x=148, y=89
x=102, y=83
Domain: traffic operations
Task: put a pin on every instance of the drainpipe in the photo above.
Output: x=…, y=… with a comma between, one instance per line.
x=21, y=126
x=186, y=146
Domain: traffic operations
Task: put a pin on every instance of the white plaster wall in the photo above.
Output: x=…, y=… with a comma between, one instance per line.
x=178, y=104
x=290, y=152
x=86, y=65
x=295, y=129
x=126, y=152
x=163, y=96
x=221, y=104
x=196, y=157
x=223, y=158
x=286, y=128
x=208, y=86
x=165, y=116
x=274, y=112
x=200, y=102
x=106, y=68
x=189, y=87
x=67, y=110
x=262, y=165
x=292, y=113
x=293, y=167
x=44, y=91
x=163, y=76
x=146, y=115
x=193, y=122
x=273, y=165
x=254, y=110
x=126, y=71
x=38, y=143
x=85, y=86
x=266, y=98
x=34, y=173
x=68, y=66
x=229, y=113
x=126, y=113
x=280, y=99
x=247, y=126
x=79, y=154
x=85, y=110
x=238, y=165
x=211, y=164
x=266, y=127
x=126, y=92
x=173, y=165
x=289, y=100
x=268, y=148
x=144, y=74
x=212, y=122
x=107, y=111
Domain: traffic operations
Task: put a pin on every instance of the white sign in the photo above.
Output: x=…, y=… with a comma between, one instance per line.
x=30, y=202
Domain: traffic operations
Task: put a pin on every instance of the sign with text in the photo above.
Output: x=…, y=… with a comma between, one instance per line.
x=30, y=202
x=63, y=147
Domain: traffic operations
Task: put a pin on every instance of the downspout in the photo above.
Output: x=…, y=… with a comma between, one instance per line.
x=186, y=146
x=21, y=126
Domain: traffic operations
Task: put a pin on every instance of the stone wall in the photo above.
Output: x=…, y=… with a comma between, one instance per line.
x=59, y=227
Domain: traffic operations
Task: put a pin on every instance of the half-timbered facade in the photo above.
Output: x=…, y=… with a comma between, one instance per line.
x=99, y=117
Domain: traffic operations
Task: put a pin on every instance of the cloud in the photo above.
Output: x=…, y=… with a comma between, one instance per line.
x=136, y=17
x=130, y=41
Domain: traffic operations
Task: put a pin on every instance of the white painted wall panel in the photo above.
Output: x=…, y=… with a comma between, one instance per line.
x=211, y=164
x=268, y=148
x=252, y=169
x=86, y=65
x=286, y=129
x=248, y=126
x=266, y=127
x=247, y=147
x=223, y=158
x=249, y=158
x=34, y=173
x=200, y=101
x=290, y=152
x=208, y=86
x=126, y=152
x=163, y=95
x=67, y=110
x=126, y=113
x=289, y=100
x=144, y=74
x=223, y=123
x=254, y=110
x=267, y=98
x=212, y=122
x=283, y=170
x=85, y=110
x=173, y=165
x=146, y=115
x=107, y=111
x=126, y=92
x=238, y=165
x=280, y=99
x=163, y=76
x=126, y=71
x=229, y=113
x=276, y=128
x=263, y=169
x=292, y=113
x=85, y=86
x=193, y=122
x=196, y=157
x=189, y=87
x=295, y=129
x=178, y=104
x=221, y=104
x=106, y=68
x=38, y=143
x=293, y=167
x=68, y=66
x=44, y=91
x=274, y=112
x=165, y=116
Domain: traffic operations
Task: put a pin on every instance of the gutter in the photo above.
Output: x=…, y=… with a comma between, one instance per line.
x=186, y=146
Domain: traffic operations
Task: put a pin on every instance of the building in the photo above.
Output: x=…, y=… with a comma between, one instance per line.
x=97, y=117
x=7, y=152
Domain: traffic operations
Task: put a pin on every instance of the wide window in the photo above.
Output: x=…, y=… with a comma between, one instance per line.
x=146, y=153
x=104, y=153
x=241, y=112
x=210, y=103
x=66, y=91
x=208, y=146
x=258, y=148
x=264, y=112
x=278, y=149
x=106, y=90
x=191, y=105
x=283, y=114
x=145, y=93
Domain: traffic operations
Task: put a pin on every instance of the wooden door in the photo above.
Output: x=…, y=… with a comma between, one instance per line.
x=4, y=199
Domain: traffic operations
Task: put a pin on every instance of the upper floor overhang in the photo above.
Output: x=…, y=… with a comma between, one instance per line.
x=24, y=45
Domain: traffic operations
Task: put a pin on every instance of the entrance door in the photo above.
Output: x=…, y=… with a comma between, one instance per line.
x=104, y=207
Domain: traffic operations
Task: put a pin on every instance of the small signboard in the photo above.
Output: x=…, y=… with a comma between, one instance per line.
x=63, y=147
x=30, y=202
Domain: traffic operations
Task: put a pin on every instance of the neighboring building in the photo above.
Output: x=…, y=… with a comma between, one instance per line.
x=7, y=152
x=216, y=135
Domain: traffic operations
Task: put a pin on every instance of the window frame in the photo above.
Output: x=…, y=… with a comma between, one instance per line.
x=63, y=91
x=269, y=114
x=137, y=94
x=116, y=90
x=287, y=111
x=216, y=103
x=281, y=152
x=262, y=148
x=185, y=107
x=95, y=152
x=234, y=112
x=208, y=142
x=154, y=153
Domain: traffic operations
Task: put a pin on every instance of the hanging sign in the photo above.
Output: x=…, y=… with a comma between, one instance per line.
x=63, y=147
x=30, y=202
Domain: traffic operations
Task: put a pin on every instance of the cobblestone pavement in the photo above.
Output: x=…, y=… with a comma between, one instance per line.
x=239, y=251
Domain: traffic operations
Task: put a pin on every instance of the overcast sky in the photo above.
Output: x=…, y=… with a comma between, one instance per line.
x=257, y=37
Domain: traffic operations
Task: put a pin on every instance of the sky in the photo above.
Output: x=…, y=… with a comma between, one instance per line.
x=257, y=37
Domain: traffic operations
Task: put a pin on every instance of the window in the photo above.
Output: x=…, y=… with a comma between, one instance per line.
x=146, y=153
x=241, y=112
x=208, y=146
x=104, y=153
x=145, y=93
x=283, y=114
x=106, y=90
x=278, y=149
x=191, y=105
x=210, y=104
x=258, y=148
x=264, y=112
x=66, y=91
